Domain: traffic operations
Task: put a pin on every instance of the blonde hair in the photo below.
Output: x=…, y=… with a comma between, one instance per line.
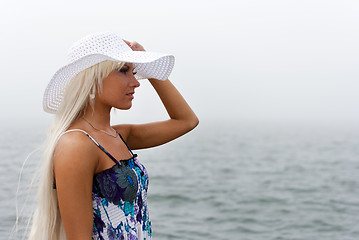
x=46, y=220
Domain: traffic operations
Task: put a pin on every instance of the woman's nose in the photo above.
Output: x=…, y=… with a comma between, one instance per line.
x=135, y=82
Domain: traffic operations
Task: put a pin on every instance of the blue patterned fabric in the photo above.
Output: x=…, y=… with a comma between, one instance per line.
x=119, y=200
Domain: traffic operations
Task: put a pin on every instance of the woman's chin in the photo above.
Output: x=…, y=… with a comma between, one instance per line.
x=124, y=107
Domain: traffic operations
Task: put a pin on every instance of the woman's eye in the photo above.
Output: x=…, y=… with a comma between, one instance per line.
x=134, y=73
x=124, y=69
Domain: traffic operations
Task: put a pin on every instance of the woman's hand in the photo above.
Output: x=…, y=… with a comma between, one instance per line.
x=135, y=46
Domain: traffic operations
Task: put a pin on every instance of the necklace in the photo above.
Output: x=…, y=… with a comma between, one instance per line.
x=114, y=136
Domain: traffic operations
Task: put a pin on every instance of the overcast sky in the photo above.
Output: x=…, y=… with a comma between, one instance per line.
x=254, y=60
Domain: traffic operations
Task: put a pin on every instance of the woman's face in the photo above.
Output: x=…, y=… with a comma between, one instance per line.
x=118, y=88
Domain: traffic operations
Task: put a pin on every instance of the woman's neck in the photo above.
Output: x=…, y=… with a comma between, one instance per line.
x=98, y=117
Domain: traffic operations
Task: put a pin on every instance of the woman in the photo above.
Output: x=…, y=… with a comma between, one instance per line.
x=91, y=184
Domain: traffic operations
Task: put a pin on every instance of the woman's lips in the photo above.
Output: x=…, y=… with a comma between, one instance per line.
x=130, y=95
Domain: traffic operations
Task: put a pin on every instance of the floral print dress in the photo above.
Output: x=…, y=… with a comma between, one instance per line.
x=119, y=200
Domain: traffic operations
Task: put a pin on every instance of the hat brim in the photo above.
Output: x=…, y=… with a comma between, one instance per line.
x=146, y=64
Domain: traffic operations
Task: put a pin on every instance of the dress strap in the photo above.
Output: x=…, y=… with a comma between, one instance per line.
x=98, y=145
x=129, y=149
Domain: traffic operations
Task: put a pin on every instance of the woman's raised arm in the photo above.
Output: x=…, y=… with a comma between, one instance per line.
x=182, y=120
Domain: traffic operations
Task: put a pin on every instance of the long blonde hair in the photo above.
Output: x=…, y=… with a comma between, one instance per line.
x=46, y=220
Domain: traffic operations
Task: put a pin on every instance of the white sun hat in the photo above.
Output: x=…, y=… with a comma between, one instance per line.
x=97, y=48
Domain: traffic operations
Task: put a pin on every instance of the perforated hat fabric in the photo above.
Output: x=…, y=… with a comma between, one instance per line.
x=97, y=48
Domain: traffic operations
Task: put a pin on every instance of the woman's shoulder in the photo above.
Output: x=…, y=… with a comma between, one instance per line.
x=74, y=138
x=75, y=148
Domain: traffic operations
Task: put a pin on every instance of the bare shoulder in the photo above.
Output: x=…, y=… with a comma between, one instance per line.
x=75, y=150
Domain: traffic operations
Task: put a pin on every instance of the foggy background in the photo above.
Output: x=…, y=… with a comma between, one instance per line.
x=271, y=64
x=280, y=61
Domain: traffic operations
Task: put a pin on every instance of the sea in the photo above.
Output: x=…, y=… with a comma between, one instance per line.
x=223, y=181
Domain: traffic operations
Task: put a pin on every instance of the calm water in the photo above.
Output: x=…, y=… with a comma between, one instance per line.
x=231, y=182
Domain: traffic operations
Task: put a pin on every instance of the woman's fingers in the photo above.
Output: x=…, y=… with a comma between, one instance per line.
x=127, y=42
x=135, y=46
